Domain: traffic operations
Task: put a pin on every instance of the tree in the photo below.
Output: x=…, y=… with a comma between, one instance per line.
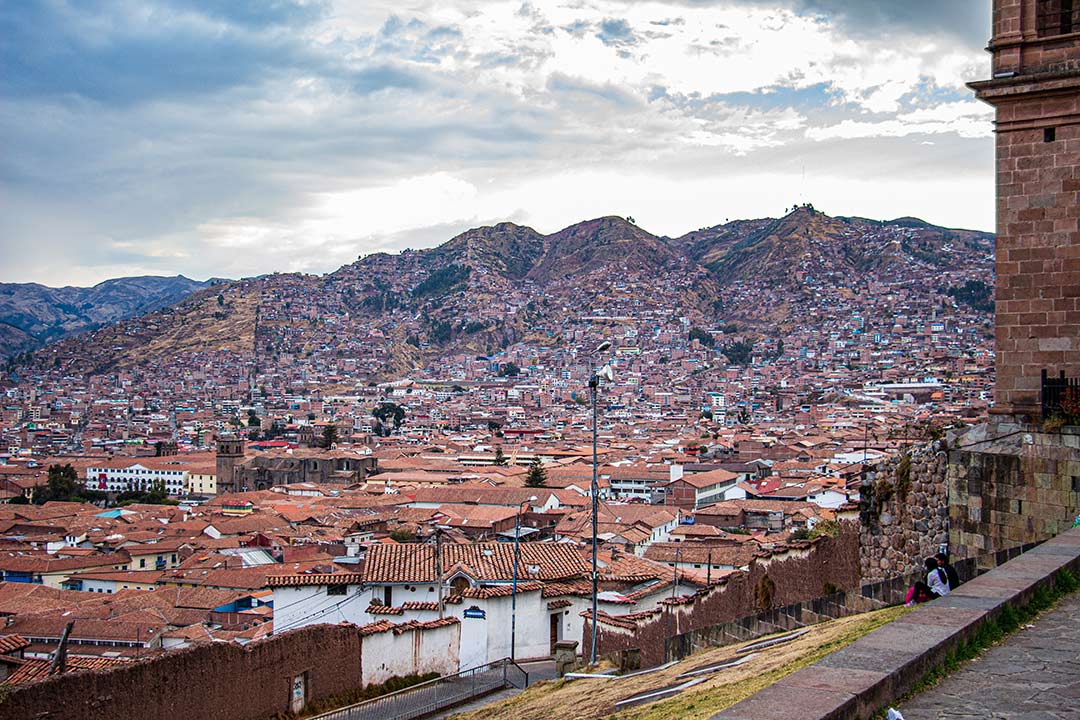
x=403, y=535
x=387, y=413
x=329, y=436
x=62, y=485
x=500, y=458
x=537, y=475
x=510, y=369
x=494, y=426
x=702, y=336
x=738, y=353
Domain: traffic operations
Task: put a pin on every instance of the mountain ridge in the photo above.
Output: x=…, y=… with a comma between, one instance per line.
x=33, y=314
x=490, y=287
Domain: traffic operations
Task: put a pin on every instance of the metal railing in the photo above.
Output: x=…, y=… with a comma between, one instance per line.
x=434, y=695
x=1054, y=391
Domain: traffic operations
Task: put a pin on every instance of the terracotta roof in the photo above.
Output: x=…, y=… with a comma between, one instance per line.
x=35, y=669
x=12, y=643
x=377, y=609
x=415, y=562
x=492, y=591
x=419, y=605
x=314, y=579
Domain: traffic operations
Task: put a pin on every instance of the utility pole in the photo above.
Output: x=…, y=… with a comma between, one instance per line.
x=675, y=574
x=438, y=570
x=59, y=660
x=594, y=385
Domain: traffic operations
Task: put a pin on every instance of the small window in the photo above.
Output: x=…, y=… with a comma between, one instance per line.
x=1057, y=17
x=1049, y=135
x=337, y=589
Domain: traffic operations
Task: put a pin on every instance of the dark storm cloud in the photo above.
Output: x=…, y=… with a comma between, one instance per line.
x=119, y=54
x=968, y=20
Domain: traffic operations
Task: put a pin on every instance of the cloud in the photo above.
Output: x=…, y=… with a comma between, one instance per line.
x=216, y=137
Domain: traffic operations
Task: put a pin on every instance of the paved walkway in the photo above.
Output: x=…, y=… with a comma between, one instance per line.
x=1033, y=675
x=540, y=670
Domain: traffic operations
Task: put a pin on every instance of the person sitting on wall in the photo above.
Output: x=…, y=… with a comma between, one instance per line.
x=936, y=585
x=950, y=571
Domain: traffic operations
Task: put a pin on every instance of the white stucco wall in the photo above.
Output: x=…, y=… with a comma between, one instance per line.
x=414, y=652
x=310, y=605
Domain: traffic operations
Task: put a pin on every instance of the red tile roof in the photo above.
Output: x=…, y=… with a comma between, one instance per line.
x=415, y=562
x=314, y=579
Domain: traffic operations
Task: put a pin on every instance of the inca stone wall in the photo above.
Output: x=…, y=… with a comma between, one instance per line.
x=903, y=512
x=1011, y=484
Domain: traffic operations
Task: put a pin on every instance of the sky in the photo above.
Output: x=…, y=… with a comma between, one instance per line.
x=231, y=138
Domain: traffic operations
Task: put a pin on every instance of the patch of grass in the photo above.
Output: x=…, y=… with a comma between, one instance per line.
x=691, y=705
x=993, y=631
x=594, y=699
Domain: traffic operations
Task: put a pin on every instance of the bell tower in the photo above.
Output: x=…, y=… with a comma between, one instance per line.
x=230, y=454
x=1035, y=90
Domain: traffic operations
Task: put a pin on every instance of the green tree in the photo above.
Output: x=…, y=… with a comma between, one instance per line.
x=62, y=485
x=387, y=413
x=510, y=369
x=738, y=353
x=702, y=336
x=403, y=535
x=537, y=475
x=329, y=435
x=500, y=458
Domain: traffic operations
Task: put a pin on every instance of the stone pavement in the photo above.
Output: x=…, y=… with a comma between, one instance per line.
x=1033, y=675
x=857, y=680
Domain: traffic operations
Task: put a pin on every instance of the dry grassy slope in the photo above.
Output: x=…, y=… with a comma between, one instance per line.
x=205, y=326
x=594, y=699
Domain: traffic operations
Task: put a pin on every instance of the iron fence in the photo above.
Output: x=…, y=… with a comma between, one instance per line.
x=1053, y=392
x=434, y=695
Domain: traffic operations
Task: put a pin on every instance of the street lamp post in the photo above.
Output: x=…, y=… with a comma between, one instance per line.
x=594, y=385
x=513, y=597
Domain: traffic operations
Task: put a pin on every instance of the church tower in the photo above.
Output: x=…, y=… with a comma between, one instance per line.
x=230, y=454
x=1035, y=90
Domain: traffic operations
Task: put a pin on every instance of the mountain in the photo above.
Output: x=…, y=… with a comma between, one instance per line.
x=492, y=287
x=781, y=272
x=33, y=315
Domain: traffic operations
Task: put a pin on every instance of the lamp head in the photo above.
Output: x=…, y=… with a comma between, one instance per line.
x=606, y=345
x=532, y=499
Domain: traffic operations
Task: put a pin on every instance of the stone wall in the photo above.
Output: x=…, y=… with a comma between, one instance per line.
x=221, y=681
x=808, y=569
x=903, y=512
x=1011, y=484
x=262, y=680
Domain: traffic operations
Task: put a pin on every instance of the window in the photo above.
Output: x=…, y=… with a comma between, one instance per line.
x=142, y=562
x=1057, y=17
x=1049, y=135
x=337, y=589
